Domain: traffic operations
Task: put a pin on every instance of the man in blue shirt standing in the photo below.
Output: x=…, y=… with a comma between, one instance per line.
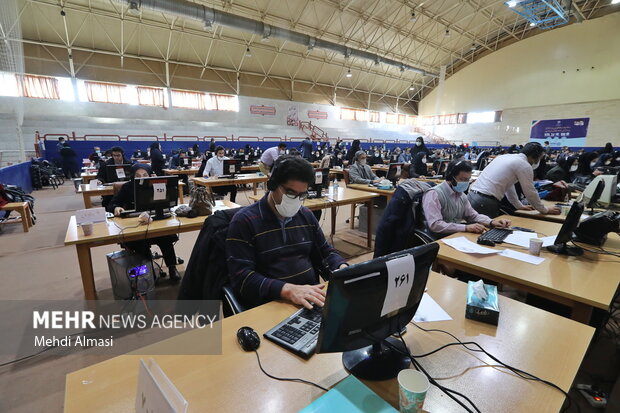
x=306, y=149
x=272, y=245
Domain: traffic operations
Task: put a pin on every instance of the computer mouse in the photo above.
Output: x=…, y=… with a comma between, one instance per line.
x=486, y=242
x=248, y=339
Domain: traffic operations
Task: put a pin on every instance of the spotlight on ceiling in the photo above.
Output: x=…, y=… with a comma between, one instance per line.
x=447, y=33
x=413, y=17
x=349, y=74
x=411, y=87
x=512, y=3
x=532, y=24
x=248, y=53
x=473, y=46
x=134, y=7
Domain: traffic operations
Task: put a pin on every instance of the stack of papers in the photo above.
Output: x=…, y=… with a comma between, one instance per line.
x=522, y=239
x=429, y=310
x=464, y=245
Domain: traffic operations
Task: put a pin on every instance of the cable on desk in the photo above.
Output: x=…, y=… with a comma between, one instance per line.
x=599, y=250
x=286, y=378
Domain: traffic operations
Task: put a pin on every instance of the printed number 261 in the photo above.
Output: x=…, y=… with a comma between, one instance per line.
x=399, y=281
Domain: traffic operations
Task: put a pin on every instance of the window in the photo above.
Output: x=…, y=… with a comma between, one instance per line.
x=43, y=87
x=391, y=118
x=228, y=103
x=188, y=100
x=402, y=119
x=8, y=84
x=361, y=115
x=150, y=96
x=411, y=120
x=104, y=92
x=481, y=117
x=373, y=117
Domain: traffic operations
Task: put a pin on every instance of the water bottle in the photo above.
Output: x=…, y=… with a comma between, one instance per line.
x=335, y=189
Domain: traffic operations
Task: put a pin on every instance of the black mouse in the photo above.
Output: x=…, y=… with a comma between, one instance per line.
x=486, y=242
x=248, y=339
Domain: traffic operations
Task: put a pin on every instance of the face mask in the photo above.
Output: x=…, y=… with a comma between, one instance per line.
x=536, y=165
x=282, y=152
x=592, y=164
x=461, y=186
x=573, y=168
x=418, y=144
x=362, y=162
x=377, y=154
x=288, y=207
x=423, y=160
x=220, y=158
x=339, y=156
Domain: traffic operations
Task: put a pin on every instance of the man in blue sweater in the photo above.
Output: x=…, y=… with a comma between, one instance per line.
x=270, y=243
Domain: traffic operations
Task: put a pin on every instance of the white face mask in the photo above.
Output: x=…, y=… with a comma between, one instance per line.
x=288, y=207
x=536, y=165
x=220, y=158
x=573, y=168
x=592, y=164
x=423, y=160
x=362, y=162
x=282, y=152
x=418, y=144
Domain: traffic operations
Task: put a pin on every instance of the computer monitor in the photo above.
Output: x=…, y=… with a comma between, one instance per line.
x=601, y=190
x=156, y=194
x=566, y=233
x=321, y=181
x=394, y=172
x=394, y=158
x=185, y=161
x=232, y=167
x=368, y=302
x=118, y=172
x=246, y=159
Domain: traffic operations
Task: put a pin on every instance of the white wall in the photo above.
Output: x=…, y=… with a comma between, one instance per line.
x=569, y=72
x=51, y=116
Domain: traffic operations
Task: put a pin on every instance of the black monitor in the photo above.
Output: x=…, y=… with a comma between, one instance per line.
x=321, y=182
x=232, y=167
x=394, y=158
x=185, y=162
x=394, y=172
x=246, y=159
x=594, y=197
x=156, y=194
x=566, y=233
x=359, y=317
x=118, y=172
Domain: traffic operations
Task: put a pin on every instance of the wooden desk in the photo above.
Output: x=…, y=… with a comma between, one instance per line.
x=581, y=283
x=364, y=187
x=105, y=190
x=346, y=196
x=116, y=230
x=552, y=218
x=241, y=179
x=250, y=168
x=544, y=344
x=87, y=177
x=191, y=171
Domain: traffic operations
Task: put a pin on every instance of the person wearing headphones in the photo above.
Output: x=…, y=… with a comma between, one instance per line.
x=446, y=206
x=123, y=200
x=271, y=245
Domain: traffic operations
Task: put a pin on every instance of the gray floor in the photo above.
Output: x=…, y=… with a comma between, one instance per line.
x=37, y=265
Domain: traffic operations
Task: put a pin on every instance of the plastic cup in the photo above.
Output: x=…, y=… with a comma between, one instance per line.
x=565, y=210
x=412, y=388
x=87, y=228
x=535, y=246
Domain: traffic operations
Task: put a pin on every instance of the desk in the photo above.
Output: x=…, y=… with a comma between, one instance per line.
x=241, y=179
x=364, y=187
x=335, y=173
x=191, y=171
x=250, y=168
x=552, y=218
x=87, y=177
x=105, y=190
x=544, y=344
x=346, y=196
x=105, y=233
x=581, y=283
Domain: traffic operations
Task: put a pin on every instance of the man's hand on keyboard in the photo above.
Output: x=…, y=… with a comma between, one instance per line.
x=305, y=295
x=118, y=211
x=475, y=228
x=500, y=223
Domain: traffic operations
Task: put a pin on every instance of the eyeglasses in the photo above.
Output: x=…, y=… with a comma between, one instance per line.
x=294, y=195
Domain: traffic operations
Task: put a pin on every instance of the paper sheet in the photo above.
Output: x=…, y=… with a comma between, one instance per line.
x=464, y=245
x=548, y=240
x=429, y=310
x=120, y=173
x=520, y=238
x=159, y=191
x=521, y=257
x=401, y=272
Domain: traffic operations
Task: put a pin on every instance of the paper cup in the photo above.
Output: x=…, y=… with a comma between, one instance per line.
x=412, y=388
x=535, y=246
x=565, y=210
x=87, y=228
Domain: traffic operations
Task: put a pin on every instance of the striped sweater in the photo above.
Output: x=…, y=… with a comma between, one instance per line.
x=264, y=253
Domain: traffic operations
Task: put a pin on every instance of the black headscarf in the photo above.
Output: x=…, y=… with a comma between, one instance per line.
x=584, y=163
x=419, y=167
x=140, y=165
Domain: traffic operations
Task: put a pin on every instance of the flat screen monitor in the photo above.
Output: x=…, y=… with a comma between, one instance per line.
x=321, y=182
x=232, y=167
x=566, y=232
x=368, y=302
x=185, y=161
x=156, y=193
x=394, y=172
x=116, y=173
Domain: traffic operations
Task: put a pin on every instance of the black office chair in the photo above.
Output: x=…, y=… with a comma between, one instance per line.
x=231, y=304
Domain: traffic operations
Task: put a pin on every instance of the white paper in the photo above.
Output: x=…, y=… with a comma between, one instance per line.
x=185, y=161
x=547, y=241
x=515, y=255
x=318, y=178
x=399, y=282
x=231, y=168
x=464, y=245
x=159, y=191
x=93, y=184
x=520, y=238
x=429, y=310
x=90, y=215
x=156, y=393
x=120, y=173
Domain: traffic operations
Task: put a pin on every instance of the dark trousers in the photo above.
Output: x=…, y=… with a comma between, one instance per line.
x=485, y=205
x=223, y=190
x=165, y=244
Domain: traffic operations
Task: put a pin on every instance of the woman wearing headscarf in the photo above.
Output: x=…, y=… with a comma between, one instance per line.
x=360, y=172
x=585, y=172
x=419, y=147
x=609, y=148
x=355, y=147
x=563, y=171
x=418, y=167
x=604, y=160
x=124, y=200
x=157, y=159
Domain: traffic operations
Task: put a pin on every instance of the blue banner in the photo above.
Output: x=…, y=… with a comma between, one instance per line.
x=560, y=132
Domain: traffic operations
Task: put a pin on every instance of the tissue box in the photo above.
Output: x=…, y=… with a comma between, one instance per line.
x=486, y=311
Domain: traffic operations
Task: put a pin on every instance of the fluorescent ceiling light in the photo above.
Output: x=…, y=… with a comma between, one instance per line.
x=349, y=74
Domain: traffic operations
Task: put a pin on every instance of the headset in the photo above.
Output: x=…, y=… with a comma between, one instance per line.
x=271, y=182
x=450, y=171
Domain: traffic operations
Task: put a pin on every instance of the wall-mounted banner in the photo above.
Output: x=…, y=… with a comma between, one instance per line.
x=292, y=119
x=560, y=132
x=317, y=114
x=263, y=110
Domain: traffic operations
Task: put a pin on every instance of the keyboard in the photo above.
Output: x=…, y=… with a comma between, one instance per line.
x=129, y=213
x=298, y=333
x=225, y=177
x=497, y=235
